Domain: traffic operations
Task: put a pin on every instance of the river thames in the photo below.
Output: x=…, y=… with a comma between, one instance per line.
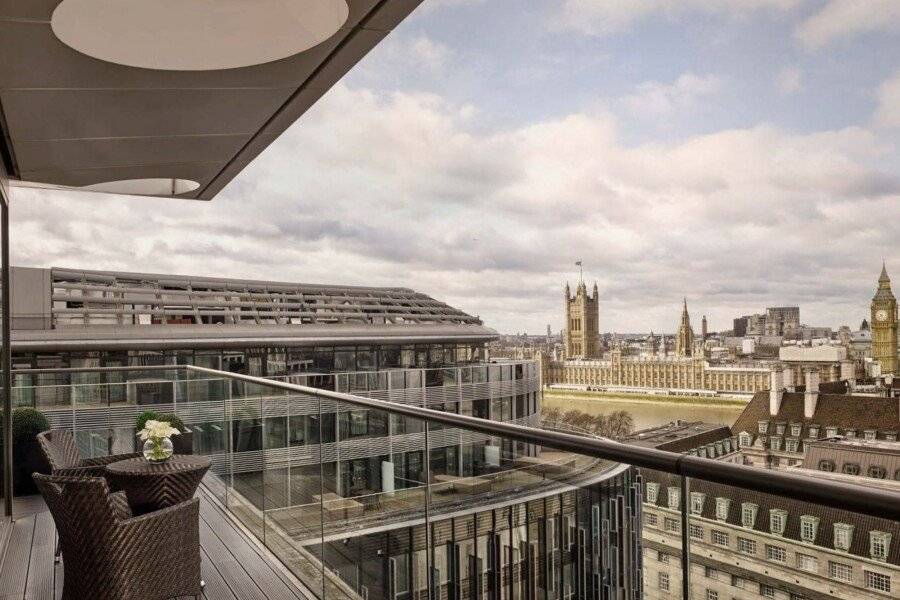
x=647, y=413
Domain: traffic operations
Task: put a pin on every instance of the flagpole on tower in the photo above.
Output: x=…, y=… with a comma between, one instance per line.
x=580, y=271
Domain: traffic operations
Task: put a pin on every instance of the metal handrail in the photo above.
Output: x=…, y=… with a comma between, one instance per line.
x=845, y=496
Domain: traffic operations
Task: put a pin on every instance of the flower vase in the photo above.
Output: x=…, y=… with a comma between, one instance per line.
x=158, y=450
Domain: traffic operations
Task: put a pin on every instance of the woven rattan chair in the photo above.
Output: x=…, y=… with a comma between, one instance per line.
x=58, y=446
x=110, y=555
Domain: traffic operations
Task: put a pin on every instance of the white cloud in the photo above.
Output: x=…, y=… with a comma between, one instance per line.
x=653, y=99
x=841, y=19
x=394, y=189
x=888, y=112
x=789, y=80
x=602, y=17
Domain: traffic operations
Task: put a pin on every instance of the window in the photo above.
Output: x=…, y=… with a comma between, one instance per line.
x=849, y=433
x=671, y=525
x=710, y=573
x=779, y=429
x=840, y=571
x=737, y=582
x=712, y=595
x=843, y=535
x=791, y=445
x=651, y=519
x=652, y=492
x=795, y=429
x=674, y=498
x=877, y=581
x=877, y=472
x=746, y=546
x=697, y=501
x=775, y=443
x=869, y=434
x=826, y=465
x=809, y=527
x=663, y=557
x=664, y=582
x=776, y=553
x=766, y=591
x=722, y=507
x=830, y=431
x=777, y=521
x=748, y=514
x=696, y=531
x=813, y=431
x=719, y=538
x=763, y=427
x=879, y=544
x=805, y=562
x=890, y=436
x=744, y=439
x=850, y=468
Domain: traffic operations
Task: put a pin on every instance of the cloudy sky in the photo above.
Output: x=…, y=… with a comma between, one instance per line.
x=741, y=153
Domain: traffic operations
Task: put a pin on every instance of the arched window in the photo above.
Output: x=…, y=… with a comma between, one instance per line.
x=826, y=465
x=877, y=472
x=850, y=468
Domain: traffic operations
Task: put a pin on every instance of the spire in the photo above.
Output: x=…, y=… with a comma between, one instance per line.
x=884, y=280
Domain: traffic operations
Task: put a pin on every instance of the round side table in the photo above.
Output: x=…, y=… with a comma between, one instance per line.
x=151, y=486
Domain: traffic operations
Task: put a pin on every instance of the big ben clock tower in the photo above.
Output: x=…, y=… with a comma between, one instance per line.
x=884, y=325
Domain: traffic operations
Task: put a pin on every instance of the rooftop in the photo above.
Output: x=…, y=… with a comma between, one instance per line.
x=679, y=436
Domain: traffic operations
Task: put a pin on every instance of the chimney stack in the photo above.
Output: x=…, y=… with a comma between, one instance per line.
x=789, y=385
x=776, y=390
x=811, y=395
x=848, y=373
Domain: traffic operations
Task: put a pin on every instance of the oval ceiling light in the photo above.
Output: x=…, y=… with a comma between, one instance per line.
x=196, y=35
x=144, y=187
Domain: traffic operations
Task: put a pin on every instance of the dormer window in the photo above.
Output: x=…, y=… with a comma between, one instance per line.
x=869, y=434
x=722, y=507
x=831, y=431
x=697, y=501
x=777, y=521
x=744, y=439
x=748, y=514
x=849, y=468
x=652, y=492
x=876, y=472
x=795, y=429
x=813, y=431
x=779, y=429
x=720, y=448
x=674, y=499
x=879, y=544
x=849, y=433
x=890, y=436
x=727, y=444
x=809, y=528
x=702, y=451
x=764, y=427
x=843, y=536
x=711, y=450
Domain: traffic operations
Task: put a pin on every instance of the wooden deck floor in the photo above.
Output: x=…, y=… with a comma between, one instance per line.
x=234, y=568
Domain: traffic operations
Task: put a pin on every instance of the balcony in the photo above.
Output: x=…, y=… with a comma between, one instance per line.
x=402, y=491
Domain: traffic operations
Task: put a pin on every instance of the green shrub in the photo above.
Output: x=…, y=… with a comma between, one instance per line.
x=148, y=415
x=27, y=423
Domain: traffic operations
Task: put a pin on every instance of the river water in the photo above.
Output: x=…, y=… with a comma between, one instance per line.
x=647, y=413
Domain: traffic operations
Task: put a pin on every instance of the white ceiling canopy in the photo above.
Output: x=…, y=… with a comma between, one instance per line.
x=196, y=35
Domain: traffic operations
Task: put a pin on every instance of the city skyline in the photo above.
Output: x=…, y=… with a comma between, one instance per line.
x=742, y=155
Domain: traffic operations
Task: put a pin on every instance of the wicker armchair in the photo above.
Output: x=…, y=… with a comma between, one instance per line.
x=110, y=555
x=58, y=446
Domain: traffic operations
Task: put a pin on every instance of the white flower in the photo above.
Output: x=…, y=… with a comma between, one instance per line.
x=157, y=430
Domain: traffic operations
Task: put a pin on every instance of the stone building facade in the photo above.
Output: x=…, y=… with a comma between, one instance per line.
x=582, y=331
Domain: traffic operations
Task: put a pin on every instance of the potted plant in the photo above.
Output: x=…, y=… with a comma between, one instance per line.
x=183, y=443
x=27, y=456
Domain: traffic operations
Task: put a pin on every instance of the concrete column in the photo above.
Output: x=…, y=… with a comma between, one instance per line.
x=811, y=395
x=776, y=389
x=848, y=372
x=788, y=379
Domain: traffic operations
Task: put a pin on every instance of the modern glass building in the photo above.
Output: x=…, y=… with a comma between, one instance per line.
x=368, y=503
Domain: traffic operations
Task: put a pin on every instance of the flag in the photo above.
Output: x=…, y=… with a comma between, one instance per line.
x=578, y=263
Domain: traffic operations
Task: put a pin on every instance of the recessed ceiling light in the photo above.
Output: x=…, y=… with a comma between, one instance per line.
x=144, y=187
x=196, y=35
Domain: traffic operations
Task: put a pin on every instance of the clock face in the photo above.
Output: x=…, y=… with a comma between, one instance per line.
x=881, y=315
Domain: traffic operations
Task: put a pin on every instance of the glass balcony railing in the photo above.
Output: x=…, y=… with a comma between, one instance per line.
x=452, y=492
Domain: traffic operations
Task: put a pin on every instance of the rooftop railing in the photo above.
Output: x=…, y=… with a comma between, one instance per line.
x=364, y=498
